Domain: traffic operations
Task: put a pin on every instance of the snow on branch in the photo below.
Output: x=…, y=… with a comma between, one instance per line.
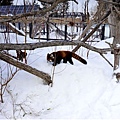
x=52, y=1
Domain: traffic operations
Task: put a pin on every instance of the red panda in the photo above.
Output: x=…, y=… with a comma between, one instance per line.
x=56, y=57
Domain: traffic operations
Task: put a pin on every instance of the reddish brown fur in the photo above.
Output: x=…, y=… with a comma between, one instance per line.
x=56, y=57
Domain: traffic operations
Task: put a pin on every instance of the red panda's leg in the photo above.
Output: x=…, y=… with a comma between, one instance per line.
x=65, y=60
x=59, y=60
x=70, y=61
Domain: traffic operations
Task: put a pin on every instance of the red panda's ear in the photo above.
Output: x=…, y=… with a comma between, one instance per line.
x=48, y=54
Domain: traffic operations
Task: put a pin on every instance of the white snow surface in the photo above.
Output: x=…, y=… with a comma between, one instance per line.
x=79, y=91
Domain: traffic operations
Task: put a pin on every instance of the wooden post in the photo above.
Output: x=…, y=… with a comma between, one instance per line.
x=84, y=26
x=30, y=30
x=116, y=57
x=44, y=31
x=102, y=35
x=47, y=28
x=19, y=25
x=66, y=32
x=77, y=28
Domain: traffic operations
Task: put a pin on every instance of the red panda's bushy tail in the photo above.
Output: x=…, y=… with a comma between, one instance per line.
x=79, y=58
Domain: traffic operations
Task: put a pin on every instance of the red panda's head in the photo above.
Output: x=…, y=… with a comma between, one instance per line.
x=50, y=57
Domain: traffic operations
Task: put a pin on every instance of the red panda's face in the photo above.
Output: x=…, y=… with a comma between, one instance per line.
x=50, y=57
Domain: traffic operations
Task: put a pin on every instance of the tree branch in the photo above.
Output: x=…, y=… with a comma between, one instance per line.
x=107, y=60
x=93, y=30
x=117, y=11
x=39, y=12
x=25, y=67
x=110, y=2
x=32, y=46
x=52, y=1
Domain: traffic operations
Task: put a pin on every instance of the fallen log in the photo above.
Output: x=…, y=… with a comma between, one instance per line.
x=46, y=77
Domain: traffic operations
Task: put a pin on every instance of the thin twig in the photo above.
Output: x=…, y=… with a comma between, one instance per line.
x=53, y=73
x=110, y=2
x=13, y=74
x=106, y=60
x=117, y=11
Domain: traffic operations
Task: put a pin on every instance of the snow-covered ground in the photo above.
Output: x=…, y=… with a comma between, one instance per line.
x=79, y=91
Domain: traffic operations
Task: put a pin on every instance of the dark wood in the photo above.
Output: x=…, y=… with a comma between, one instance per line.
x=65, y=32
x=47, y=28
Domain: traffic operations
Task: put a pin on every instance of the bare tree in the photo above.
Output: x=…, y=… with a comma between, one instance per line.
x=115, y=30
x=113, y=10
x=11, y=60
x=114, y=22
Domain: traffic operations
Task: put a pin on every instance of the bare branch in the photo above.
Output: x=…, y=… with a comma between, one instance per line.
x=117, y=11
x=47, y=1
x=52, y=1
x=39, y=12
x=13, y=74
x=107, y=60
x=32, y=46
x=93, y=30
x=110, y=2
x=25, y=67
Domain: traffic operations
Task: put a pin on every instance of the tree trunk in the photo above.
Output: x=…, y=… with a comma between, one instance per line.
x=116, y=42
x=115, y=32
x=25, y=67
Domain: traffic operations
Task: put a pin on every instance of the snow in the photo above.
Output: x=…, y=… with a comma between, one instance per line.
x=16, y=29
x=79, y=91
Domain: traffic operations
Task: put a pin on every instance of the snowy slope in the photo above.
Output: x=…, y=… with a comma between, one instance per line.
x=79, y=91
